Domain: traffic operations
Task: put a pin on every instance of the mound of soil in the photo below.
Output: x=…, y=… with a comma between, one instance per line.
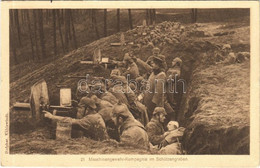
x=215, y=108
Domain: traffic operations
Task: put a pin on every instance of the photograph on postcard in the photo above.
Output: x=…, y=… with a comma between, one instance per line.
x=151, y=81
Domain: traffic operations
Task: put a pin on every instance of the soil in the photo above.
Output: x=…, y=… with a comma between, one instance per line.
x=215, y=109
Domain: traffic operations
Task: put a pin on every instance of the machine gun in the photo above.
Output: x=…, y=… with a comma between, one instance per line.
x=39, y=101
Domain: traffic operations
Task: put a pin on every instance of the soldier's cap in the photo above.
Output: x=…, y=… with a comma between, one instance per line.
x=226, y=46
x=121, y=109
x=127, y=57
x=159, y=110
x=156, y=49
x=177, y=59
x=88, y=102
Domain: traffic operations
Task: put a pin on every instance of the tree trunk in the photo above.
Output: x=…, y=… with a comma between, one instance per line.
x=30, y=34
x=150, y=16
x=41, y=33
x=73, y=31
x=35, y=33
x=147, y=17
x=62, y=16
x=16, y=15
x=12, y=40
x=105, y=22
x=54, y=32
x=69, y=27
x=118, y=20
x=59, y=25
x=46, y=16
x=194, y=15
x=130, y=19
x=154, y=16
x=66, y=31
x=95, y=22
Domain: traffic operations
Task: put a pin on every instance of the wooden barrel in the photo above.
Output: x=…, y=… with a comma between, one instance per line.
x=63, y=130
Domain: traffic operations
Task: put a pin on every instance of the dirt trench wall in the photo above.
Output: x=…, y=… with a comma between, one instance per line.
x=214, y=110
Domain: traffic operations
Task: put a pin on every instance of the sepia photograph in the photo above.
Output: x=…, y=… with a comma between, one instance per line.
x=129, y=81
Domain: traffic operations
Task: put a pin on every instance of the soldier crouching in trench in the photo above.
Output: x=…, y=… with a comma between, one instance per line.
x=132, y=132
x=89, y=121
x=165, y=142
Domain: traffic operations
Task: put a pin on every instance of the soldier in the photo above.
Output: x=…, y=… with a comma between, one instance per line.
x=228, y=55
x=175, y=68
x=104, y=94
x=120, y=89
x=173, y=138
x=156, y=53
x=131, y=131
x=91, y=123
x=126, y=96
x=154, y=128
x=154, y=94
x=132, y=69
x=105, y=108
x=173, y=74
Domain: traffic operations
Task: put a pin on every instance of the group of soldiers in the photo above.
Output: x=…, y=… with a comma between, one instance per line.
x=132, y=107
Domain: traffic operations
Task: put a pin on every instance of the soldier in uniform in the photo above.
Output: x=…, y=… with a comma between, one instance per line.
x=156, y=53
x=155, y=128
x=154, y=93
x=173, y=74
x=131, y=67
x=131, y=131
x=105, y=108
x=89, y=121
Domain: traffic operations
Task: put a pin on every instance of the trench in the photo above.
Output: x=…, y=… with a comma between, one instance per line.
x=200, y=139
x=196, y=140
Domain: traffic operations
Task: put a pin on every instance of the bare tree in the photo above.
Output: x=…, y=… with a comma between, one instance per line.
x=41, y=33
x=30, y=33
x=154, y=16
x=194, y=15
x=73, y=30
x=54, y=32
x=12, y=40
x=118, y=20
x=105, y=22
x=94, y=22
x=147, y=16
x=130, y=19
x=35, y=16
x=67, y=29
x=16, y=16
x=59, y=25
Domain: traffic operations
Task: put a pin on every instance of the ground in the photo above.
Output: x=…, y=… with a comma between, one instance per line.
x=220, y=110
x=216, y=106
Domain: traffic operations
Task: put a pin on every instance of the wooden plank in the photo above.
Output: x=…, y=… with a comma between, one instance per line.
x=86, y=62
x=19, y=105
